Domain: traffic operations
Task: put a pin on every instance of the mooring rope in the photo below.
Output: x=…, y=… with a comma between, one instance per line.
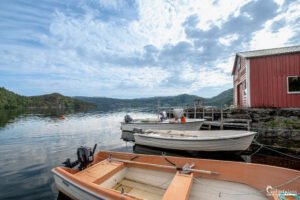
x=279, y=152
x=287, y=182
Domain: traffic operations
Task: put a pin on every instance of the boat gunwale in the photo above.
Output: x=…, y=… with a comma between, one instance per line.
x=90, y=188
x=190, y=158
x=196, y=138
x=74, y=184
x=187, y=122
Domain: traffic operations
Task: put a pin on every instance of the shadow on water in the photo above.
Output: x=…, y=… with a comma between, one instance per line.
x=192, y=154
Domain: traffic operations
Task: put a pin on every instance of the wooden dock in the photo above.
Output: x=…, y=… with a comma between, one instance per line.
x=216, y=118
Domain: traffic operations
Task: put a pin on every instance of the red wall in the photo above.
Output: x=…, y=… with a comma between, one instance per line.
x=268, y=81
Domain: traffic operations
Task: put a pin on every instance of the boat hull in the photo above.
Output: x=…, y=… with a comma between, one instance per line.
x=189, y=125
x=126, y=176
x=72, y=190
x=228, y=144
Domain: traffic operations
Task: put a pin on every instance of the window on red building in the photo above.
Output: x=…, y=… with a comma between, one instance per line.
x=293, y=84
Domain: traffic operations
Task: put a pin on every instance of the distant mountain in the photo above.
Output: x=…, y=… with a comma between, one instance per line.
x=225, y=98
x=103, y=103
x=11, y=100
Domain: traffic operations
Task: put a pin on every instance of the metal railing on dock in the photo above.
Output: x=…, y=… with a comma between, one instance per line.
x=216, y=118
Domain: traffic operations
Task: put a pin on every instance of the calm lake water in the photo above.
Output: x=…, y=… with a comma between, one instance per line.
x=32, y=144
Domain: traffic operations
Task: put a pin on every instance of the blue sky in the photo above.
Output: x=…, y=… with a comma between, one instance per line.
x=129, y=49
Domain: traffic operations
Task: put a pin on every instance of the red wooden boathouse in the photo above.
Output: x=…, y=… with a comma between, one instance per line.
x=267, y=78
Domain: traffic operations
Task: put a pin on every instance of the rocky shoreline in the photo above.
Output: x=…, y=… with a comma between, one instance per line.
x=279, y=128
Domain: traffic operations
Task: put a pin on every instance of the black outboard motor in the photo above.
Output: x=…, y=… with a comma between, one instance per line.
x=163, y=116
x=85, y=156
x=128, y=119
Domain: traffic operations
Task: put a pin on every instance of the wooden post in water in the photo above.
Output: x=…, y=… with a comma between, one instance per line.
x=203, y=112
x=195, y=111
x=212, y=114
x=248, y=123
x=222, y=118
x=158, y=107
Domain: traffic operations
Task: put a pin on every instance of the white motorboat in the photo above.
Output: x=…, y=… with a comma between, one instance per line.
x=169, y=124
x=219, y=140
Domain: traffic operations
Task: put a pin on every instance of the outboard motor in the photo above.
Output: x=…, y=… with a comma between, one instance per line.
x=163, y=116
x=85, y=156
x=128, y=119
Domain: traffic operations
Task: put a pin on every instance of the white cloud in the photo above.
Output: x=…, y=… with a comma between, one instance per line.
x=111, y=4
x=91, y=35
x=89, y=55
x=149, y=77
x=228, y=39
x=226, y=64
x=267, y=38
x=279, y=2
x=161, y=21
x=205, y=77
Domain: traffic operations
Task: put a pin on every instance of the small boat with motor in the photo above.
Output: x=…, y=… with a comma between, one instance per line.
x=114, y=175
x=179, y=122
x=217, y=140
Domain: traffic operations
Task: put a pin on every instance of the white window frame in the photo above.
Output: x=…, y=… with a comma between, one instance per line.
x=287, y=85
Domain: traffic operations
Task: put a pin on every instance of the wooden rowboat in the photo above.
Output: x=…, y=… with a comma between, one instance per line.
x=126, y=176
x=218, y=140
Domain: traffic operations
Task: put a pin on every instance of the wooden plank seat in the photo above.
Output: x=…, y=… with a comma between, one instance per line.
x=100, y=171
x=180, y=187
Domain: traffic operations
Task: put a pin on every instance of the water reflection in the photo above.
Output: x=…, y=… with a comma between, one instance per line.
x=33, y=144
x=8, y=116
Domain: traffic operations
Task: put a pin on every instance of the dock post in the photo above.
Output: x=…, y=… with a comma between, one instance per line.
x=195, y=110
x=221, y=115
x=248, y=123
x=203, y=112
x=222, y=120
x=212, y=114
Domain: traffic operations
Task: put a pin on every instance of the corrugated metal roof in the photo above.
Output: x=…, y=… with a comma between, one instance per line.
x=268, y=52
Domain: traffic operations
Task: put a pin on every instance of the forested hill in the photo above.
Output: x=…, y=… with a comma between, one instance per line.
x=11, y=100
x=223, y=99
